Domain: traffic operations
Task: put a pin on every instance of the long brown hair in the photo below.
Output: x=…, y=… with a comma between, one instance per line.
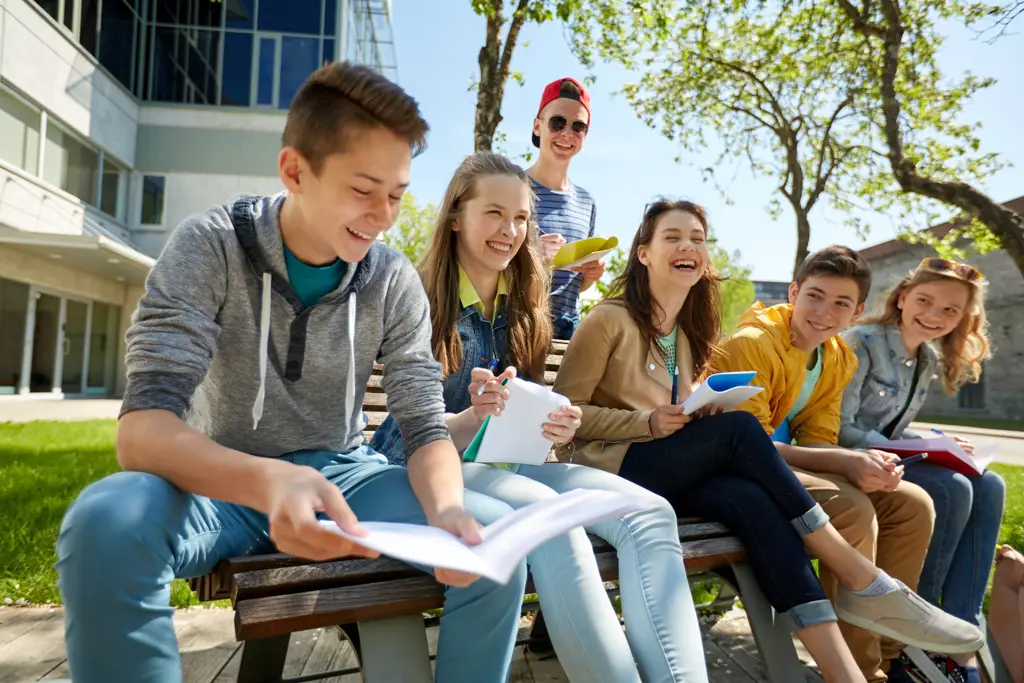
x=966, y=346
x=701, y=316
x=529, y=320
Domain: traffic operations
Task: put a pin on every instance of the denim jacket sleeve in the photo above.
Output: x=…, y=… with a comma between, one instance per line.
x=850, y=434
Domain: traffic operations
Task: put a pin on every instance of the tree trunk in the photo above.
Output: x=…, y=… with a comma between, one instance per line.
x=1007, y=226
x=488, y=101
x=803, y=238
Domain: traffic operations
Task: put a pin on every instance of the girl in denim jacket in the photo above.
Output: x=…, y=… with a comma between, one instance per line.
x=940, y=304
x=488, y=293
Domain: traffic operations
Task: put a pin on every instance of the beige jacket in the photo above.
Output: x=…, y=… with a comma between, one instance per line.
x=618, y=381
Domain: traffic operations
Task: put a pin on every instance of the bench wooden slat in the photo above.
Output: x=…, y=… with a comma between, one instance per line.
x=281, y=580
x=712, y=553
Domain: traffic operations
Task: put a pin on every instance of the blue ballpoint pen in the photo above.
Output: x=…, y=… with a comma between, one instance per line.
x=492, y=366
x=940, y=433
x=675, y=386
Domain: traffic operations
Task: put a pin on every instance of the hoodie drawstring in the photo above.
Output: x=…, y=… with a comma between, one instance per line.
x=257, y=407
x=350, y=389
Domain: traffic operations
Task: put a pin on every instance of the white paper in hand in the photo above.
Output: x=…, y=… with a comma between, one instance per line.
x=726, y=390
x=505, y=543
x=516, y=436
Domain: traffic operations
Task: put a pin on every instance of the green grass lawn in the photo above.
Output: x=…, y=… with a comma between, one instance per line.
x=985, y=423
x=43, y=466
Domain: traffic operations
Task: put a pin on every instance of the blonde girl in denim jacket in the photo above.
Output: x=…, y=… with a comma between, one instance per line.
x=933, y=325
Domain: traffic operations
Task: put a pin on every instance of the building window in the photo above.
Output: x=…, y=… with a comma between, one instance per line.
x=113, y=197
x=19, y=132
x=120, y=32
x=153, y=199
x=972, y=396
x=70, y=164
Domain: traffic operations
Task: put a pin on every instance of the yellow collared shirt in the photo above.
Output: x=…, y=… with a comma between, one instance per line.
x=469, y=297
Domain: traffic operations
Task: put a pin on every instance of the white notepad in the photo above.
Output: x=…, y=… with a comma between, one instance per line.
x=505, y=543
x=516, y=436
x=727, y=390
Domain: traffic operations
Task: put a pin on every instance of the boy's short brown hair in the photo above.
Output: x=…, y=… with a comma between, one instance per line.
x=838, y=261
x=341, y=98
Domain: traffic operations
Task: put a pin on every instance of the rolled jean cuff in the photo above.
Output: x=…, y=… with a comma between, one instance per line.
x=810, y=521
x=811, y=613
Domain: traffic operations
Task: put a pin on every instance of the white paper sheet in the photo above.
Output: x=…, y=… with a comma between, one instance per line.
x=727, y=390
x=505, y=542
x=516, y=436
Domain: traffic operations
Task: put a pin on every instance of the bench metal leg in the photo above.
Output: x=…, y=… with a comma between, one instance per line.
x=263, y=659
x=382, y=641
x=772, y=634
x=539, y=643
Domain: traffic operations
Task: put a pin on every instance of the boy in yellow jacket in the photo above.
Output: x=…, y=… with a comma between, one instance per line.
x=804, y=365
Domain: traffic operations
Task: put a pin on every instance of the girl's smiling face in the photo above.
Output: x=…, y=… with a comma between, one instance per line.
x=931, y=310
x=678, y=252
x=492, y=226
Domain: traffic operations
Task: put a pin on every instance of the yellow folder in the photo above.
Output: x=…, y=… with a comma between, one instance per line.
x=573, y=254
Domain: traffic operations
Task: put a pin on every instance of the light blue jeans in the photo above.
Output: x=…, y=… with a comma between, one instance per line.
x=127, y=536
x=968, y=512
x=662, y=633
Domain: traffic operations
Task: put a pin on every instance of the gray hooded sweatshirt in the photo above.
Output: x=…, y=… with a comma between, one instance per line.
x=221, y=339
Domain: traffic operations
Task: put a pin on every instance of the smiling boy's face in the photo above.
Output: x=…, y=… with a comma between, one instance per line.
x=823, y=307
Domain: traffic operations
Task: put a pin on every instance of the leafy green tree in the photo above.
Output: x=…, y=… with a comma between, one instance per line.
x=776, y=86
x=737, y=290
x=916, y=109
x=591, y=26
x=411, y=232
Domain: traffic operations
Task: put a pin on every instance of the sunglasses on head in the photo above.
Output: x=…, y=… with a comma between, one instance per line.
x=557, y=123
x=961, y=270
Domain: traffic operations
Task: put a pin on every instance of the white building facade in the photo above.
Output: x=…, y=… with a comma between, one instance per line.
x=118, y=119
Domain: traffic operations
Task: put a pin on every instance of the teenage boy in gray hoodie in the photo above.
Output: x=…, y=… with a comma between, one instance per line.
x=241, y=422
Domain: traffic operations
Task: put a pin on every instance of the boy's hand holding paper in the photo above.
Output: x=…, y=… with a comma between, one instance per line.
x=574, y=254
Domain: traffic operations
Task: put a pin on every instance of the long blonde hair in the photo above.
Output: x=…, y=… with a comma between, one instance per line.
x=967, y=345
x=529, y=320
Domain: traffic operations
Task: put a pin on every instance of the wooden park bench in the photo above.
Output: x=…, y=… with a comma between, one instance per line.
x=380, y=604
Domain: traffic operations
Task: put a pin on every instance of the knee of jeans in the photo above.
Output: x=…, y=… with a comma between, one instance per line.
x=990, y=487
x=109, y=518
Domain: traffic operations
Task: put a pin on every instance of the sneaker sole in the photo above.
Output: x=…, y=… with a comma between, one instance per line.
x=945, y=648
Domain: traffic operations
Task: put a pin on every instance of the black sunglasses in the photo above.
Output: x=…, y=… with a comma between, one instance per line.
x=557, y=123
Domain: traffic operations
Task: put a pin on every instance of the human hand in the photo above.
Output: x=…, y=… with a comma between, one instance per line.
x=872, y=470
x=563, y=424
x=708, y=411
x=460, y=523
x=492, y=400
x=591, y=270
x=668, y=420
x=549, y=244
x=295, y=495
x=964, y=444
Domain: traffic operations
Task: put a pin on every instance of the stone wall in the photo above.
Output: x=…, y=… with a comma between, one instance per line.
x=1000, y=394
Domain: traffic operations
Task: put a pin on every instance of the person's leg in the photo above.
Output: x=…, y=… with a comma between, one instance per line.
x=952, y=495
x=777, y=557
x=661, y=621
x=484, y=613
x=906, y=517
x=853, y=516
x=1006, y=614
x=120, y=545
x=964, y=588
x=584, y=628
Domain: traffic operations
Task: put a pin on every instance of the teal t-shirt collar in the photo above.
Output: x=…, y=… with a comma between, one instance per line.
x=312, y=283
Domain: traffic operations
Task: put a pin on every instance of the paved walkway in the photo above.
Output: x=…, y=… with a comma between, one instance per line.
x=32, y=649
x=69, y=409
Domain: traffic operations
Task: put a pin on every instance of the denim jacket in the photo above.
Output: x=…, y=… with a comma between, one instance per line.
x=481, y=342
x=881, y=386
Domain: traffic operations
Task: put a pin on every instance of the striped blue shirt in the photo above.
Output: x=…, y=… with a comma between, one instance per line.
x=572, y=214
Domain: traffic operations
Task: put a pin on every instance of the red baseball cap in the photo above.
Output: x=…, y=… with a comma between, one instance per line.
x=553, y=91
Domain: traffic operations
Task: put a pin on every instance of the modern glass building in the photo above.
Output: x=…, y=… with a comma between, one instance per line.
x=120, y=118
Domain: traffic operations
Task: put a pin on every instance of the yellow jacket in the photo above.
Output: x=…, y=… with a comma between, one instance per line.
x=762, y=344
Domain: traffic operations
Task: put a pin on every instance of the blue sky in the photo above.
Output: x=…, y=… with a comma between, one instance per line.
x=624, y=163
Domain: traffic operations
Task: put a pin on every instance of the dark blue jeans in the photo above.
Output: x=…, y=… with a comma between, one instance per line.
x=725, y=468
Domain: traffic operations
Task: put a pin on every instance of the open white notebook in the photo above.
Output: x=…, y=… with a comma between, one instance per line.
x=727, y=390
x=505, y=542
x=516, y=436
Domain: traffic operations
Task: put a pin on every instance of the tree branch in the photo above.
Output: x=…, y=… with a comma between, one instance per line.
x=821, y=179
x=518, y=18
x=776, y=107
x=860, y=19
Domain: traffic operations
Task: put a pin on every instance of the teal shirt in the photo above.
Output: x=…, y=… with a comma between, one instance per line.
x=668, y=345
x=782, y=434
x=311, y=283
